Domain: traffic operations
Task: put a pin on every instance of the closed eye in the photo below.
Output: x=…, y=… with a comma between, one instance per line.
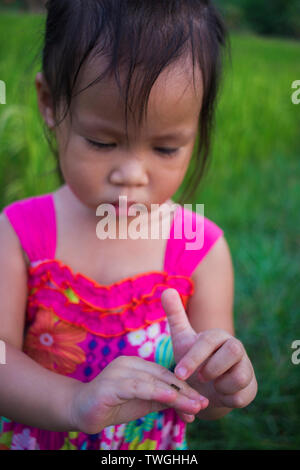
x=100, y=144
x=166, y=151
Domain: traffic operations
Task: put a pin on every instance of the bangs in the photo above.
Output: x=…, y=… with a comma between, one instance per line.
x=140, y=37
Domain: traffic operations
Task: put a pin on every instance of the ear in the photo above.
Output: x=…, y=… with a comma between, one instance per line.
x=44, y=100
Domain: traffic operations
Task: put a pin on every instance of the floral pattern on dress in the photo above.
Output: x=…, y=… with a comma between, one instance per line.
x=52, y=343
x=24, y=441
x=58, y=339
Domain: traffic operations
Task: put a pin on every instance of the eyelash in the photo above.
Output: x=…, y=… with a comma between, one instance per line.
x=99, y=145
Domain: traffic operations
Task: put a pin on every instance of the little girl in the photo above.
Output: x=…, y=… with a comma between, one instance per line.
x=93, y=326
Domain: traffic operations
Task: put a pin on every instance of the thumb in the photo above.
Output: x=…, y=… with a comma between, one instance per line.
x=180, y=327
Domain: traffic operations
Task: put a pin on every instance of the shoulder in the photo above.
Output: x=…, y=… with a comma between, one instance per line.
x=200, y=221
x=218, y=258
x=19, y=217
x=19, y=211
x=13, y=285
x=11, y=250
x=211, y=305
x=193, y=236
x=196, y=226
x=7, y=233
x=213, y=252
x=10, y=240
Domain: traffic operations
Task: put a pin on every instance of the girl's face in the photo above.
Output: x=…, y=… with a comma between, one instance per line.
x=97, y=161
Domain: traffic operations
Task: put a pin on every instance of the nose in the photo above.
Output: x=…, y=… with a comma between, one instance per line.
x=130, y=172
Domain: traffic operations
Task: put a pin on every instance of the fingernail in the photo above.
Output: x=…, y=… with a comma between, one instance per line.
x=190, y=418
x=181, y=372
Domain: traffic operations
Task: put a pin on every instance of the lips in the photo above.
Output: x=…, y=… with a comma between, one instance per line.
x=129, y=203
x=122, y=206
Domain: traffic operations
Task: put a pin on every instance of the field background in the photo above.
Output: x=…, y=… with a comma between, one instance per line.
x=251, y=190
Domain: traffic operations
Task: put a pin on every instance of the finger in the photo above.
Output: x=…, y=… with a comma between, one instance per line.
x=131, y=364
x=235, y=379
x=229, y=354
x=158, y=406
x=171, y=381
x=242, y=398
x=208, y=342
x=186, y=417
x=149, y=388
x=176, y=314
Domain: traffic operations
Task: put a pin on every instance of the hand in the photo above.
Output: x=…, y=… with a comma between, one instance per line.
x=127, y=389
x=214, y=357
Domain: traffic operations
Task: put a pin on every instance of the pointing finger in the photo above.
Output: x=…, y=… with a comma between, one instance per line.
x=176, y=315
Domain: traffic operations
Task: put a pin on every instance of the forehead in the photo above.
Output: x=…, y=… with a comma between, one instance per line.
x=175, y=98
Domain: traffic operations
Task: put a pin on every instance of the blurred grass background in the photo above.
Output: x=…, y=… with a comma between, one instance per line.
x=251, y=191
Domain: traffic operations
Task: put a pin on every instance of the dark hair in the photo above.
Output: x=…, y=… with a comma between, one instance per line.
x=145, y=36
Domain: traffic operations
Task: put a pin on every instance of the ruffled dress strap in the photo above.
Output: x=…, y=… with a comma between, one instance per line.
x=191, y=237
x=33, y=220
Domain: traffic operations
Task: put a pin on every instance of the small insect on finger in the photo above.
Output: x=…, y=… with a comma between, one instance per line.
x=176, y=387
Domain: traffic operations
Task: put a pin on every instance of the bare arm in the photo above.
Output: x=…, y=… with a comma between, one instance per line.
x=29, y=393
x=33, y=395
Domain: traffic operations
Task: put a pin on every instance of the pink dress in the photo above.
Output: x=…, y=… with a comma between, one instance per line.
x=75, y=326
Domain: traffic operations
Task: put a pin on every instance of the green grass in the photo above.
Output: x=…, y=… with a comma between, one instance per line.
x=251, y=191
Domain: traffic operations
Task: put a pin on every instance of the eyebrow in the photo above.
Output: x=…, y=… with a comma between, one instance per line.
x=177, y=134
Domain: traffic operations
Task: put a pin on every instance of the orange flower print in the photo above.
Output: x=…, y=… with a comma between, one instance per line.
x=3, y=447
x=52, y=343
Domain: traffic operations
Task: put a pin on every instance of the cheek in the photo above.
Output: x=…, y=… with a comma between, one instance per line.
x=180, y=167
x=169, y=178
x=75, y=160
x=81, y=173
